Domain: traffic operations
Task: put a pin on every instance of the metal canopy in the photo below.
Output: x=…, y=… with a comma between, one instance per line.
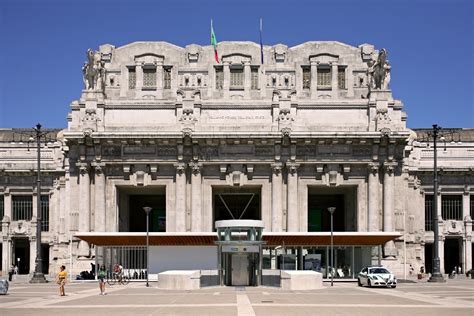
x=209, y=238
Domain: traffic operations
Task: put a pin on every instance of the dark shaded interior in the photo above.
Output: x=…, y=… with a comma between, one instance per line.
x=238, y=203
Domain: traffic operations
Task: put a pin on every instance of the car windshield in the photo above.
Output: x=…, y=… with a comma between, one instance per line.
x=378, y=271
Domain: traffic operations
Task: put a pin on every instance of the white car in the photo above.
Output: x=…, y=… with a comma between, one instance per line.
x=376, y=276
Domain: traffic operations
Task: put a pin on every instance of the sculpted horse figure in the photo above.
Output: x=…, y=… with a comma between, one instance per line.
x=380, y=69
x=92, y=70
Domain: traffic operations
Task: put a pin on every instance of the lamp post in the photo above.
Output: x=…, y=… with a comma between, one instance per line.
x=38, y=276
x=436, y=276
x=147, y=210
x=331, y=211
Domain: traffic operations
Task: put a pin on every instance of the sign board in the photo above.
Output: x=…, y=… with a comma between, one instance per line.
x=240, y=249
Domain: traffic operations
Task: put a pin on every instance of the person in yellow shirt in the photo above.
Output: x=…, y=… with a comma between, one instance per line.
x=61, y=280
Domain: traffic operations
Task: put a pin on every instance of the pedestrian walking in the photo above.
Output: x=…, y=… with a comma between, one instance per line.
x=101, y=276
x=61, y=280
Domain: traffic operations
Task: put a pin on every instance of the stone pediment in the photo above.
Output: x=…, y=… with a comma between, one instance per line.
x=149, y=58
x=237, y=58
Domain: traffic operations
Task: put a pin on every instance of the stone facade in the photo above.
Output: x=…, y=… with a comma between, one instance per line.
x=158, y=119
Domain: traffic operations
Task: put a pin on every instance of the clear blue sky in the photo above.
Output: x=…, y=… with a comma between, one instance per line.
x=43, y=45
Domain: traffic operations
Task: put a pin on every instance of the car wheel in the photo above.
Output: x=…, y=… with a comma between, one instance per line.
x=394, y=286
x=358, y=282
x=369, y=284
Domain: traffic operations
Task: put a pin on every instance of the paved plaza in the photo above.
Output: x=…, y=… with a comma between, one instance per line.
x=456, y=297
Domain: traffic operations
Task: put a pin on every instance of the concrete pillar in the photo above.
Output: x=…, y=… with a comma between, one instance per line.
x=466, y=204
x=226, y=84
x=372, y=196
x=35, y=203
x=247, y=79
x=441, y=255
x=84, y=207
x=100, y=199
x=139, y=77
x=33, y=250
x=314, y=79
x=180, y=197
x=292, y=197
x=334, y=81
x=276, y=197
x=196, y=197
x=388, y=206
x=349, y=81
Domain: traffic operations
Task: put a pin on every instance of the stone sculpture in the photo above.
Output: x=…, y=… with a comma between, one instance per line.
x=379, y=71
x=93, y=71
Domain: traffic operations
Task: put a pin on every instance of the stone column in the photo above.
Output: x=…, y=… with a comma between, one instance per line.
x=388, y=206
x=349, y=81
x=6, y=253
x=196, y=197
x=180, y=197
x=139, y=77
x=100, y=198
x=226, y=84
x=35, y=203
x=314, y=79
x=292, y=197
x=124, y=81
x=372, y=197
x=7, y=204
x=247, y=80
x=465, y=205
x=441, y=255
x=159, y=80
x=84, y=207
x=33, y=241
x=334, y=83
x=276, y=197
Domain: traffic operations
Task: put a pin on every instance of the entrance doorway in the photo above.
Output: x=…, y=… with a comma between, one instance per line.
x=241, y=269
x=236, y=204
x=21, y=255
x=343, y=199
x=452, y=254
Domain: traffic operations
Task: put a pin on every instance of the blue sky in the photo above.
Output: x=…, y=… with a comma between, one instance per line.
x=43, y=45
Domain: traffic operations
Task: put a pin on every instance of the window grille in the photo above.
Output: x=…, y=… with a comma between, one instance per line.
x=324, y=78
x=341, y=77
x=219, y=78
x=236, y=78
x=149, y=78
x=167, y=78
x=254, y=77
x=132, y=78
x=451, y=207
x=44, y=213
x=306, y=78
x=428, y=213
x=2, y=207
x=472, y=207
x=22, y=208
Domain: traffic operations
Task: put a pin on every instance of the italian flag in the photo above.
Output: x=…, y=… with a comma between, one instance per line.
x=214, y=43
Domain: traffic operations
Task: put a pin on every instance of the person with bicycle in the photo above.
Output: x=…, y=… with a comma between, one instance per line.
x=118, y=271
x=101, y=276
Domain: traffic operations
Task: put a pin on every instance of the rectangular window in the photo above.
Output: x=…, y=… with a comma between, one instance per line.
x=219, y=78
x=132, y=78
x=236, y=78
x=22, y=208
x=44, y=213
x=324, y=78
x=306, y=78
x=451, y=207
x=341, y=77
x=149, y=78
x=254, y=77
x=428, y=213
x=2, y=207
x=167, y=78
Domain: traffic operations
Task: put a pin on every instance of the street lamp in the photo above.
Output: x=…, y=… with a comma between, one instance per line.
x=38, y=276
x=147, y=210
x=436, y=276
x=331, y=211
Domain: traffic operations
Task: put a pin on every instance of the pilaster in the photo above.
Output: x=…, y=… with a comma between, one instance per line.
x=314, y=79
x=350, y=81
x=84, y=207
x=372, y=196
x=180, y=197
x=100, y=198
x=334, y=83
x=276, y=196
x=388, y=206
x=247, y=79
x=139, y=76
x=226, y=84
x=196, y=196
x=292, y=197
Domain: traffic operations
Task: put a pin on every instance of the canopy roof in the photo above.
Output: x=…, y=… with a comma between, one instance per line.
x=209, y=238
